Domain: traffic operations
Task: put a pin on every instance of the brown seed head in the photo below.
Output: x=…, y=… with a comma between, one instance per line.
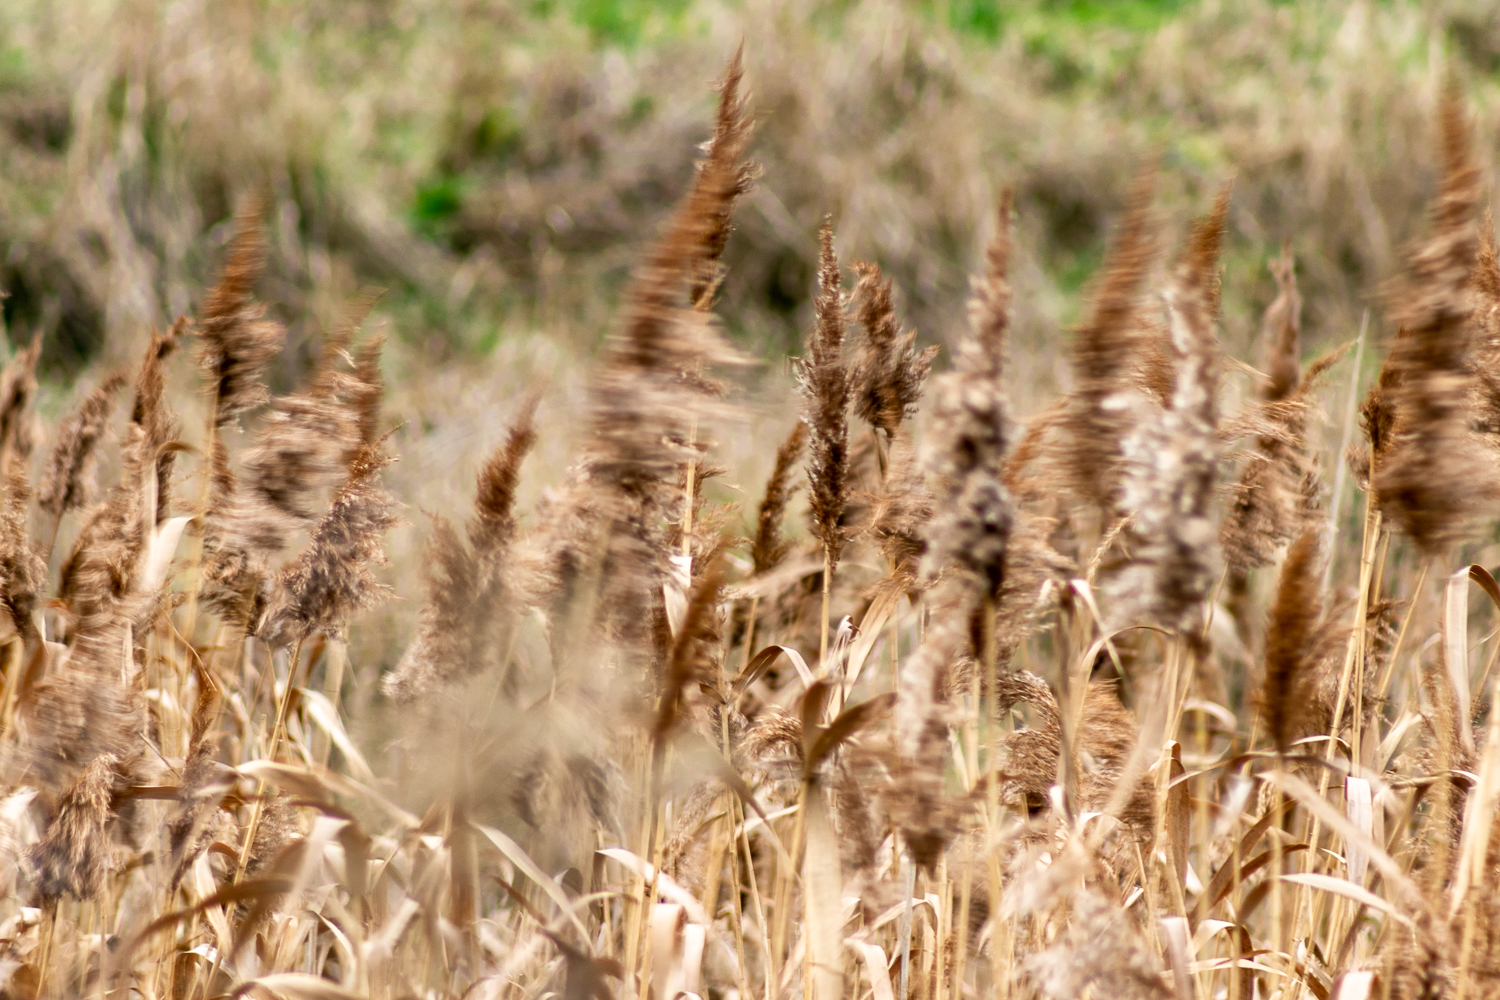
x=18, y=388
x=1434, y=481
x=68, y=483
x=823, y=378
x=334, y=577
x=236, y=343
x=74, y=856
x=769, y=548
x=888, y=370
x=1104, y=354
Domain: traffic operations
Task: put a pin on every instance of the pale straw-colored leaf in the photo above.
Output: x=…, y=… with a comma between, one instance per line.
x=1347, y=889
x=1359, y=807
x=878, y=970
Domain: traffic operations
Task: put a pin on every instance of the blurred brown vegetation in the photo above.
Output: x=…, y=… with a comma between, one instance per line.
x=496, y=166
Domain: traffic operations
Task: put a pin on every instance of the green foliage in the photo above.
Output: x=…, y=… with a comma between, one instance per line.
x=617, y=22
x=437, y=201
x=988, y=20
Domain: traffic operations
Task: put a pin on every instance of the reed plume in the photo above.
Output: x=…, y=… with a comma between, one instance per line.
x=23, y=571
x=80, y=713
x=101, y=578
x=467, y=620
x=334, y=577
x=69, y=482
x=236, y=342
x=900, y=514
x=967, y=547
x=769, y=547
x=300, y=452
x=1104, y=355
x=973, y=508
x=1291, y=644
x=1276, y=491
x=1433, y=483
x=1281, y=328
x=888, y=371
x=823, y=378
x=733, y=128
x=1172, y=458
x=74, y=857
x=646, y=401
x=18, y=387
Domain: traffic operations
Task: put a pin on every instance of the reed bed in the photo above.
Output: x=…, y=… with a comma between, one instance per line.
x=1096, y=703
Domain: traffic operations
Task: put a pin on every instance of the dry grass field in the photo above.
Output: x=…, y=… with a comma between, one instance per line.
x=749, y=501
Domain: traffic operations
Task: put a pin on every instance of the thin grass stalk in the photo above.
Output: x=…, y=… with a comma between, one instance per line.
x=1477, y=847
x=786, y=878
x=908, y=876
x=972, y=722
x=1382, y=686
x=658, y=824
x=14, y=659
x=736, y=813
x=636, y=922
x=333, y=687
x=943, y=929
x=760, y=908
x=1342, y=467
x=823, y=666
x=1354, y=651
x=278, y=731
x=961, y=932
x=750, y=631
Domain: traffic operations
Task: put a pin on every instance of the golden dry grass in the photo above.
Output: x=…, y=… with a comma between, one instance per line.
x=1085, y=693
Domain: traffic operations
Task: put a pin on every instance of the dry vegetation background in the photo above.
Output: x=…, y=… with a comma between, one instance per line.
x=471, y=530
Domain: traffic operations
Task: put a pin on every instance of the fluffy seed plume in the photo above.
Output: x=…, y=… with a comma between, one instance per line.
x=967, y=543
x=823, y=378
x=236, y=549
x=1269, y=502
x=888, y=370
x=1434, y=482
x=152, y=421
x=74, y=856
x=900, y=515
x=100, y=578
x=974, y=508
x=769, y=548
x=301, y=451
x=1290, y=643
x=334, y=579
x=1281, y=328
x=81, y=712
x=1172, y=456
x=645, y=402
x=1103, y=355
x=18, y=387
x=732, y=131
x=68, y=483
x=23, y=572
x=466, y=622
x=237, y=343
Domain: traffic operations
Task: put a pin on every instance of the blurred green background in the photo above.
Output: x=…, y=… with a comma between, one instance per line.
x=496, y=166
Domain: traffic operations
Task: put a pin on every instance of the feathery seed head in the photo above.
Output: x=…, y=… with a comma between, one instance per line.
x=1434, y=481
x=69, y=482
x=236, y=343
x=823, y=378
